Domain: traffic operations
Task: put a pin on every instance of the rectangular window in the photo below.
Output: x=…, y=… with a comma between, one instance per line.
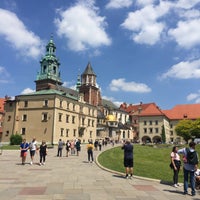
x=44, y=117
x=145, y=123
x=45, y=103
x=25, y=103
x=73, y=119
x=92, y=123
x=88, y=122
x=156, y=130
x=67, y=118
x=24, y=118
x=74, y=106
x=60, y=117
x=156, y=122
x=67, y=106
x=23, y=131
x=90, y=134
x=150, y=130
x=74, y=133
x=124, y=135
x=83, y=121
x=145, y=130
x=61, y=132
x=61, y=103
x=67, y=132
x=150, y=122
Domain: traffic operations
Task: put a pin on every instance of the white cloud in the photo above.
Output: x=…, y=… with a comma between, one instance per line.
x=193, y=96
x=145, y=23
x=82, y=26
x=116, y=4
x=184, y=70
x=4, y=75
x=186, y=4
x=15, y=32
x=187, y=33
x=121, y=85
x=27, y=91
x=144, y=2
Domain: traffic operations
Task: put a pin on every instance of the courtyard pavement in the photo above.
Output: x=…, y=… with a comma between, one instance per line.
x=73, y=178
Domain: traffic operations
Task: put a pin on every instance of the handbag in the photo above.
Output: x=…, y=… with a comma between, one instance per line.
x=171, y=165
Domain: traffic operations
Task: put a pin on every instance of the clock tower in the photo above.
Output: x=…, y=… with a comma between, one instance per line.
x=89, y=87
x=49, y=75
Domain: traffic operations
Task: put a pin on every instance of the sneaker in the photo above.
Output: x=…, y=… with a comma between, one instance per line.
x=43, y=163
x=175, y=185
x=31, y=163
x=179, y=185
x=40, y=164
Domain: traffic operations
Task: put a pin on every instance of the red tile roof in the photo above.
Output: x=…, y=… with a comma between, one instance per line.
x=185, y=111
x=148, y=109
x=2, y=100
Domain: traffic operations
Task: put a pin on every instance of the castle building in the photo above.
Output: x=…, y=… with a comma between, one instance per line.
x=55, y=112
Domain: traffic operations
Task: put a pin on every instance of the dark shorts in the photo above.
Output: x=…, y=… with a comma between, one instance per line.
x=32, y=153
x=128, y=162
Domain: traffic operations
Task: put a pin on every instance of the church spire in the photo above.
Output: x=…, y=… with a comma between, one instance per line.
x=49, y=75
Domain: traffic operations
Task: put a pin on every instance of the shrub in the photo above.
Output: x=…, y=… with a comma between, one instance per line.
x=15, y=139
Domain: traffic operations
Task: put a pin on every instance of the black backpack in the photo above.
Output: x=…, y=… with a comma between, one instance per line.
x=192, y=157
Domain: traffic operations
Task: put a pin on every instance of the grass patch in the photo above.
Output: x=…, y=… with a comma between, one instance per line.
x=149, y=161
x=10, y=147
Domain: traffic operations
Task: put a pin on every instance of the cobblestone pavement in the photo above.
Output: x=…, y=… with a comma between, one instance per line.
x=64, y=178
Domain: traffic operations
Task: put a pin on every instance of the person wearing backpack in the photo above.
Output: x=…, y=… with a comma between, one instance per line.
x=190, y=159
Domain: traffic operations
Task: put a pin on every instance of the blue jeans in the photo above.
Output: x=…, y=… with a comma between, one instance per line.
x=192, y=181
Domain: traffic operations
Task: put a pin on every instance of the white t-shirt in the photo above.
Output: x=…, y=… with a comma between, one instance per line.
x=33, y=146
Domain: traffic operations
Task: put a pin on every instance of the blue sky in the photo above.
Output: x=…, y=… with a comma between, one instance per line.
x=141, y=50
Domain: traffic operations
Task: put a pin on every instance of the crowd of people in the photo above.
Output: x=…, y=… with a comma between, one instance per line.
x=187, y=155
x=71, y=147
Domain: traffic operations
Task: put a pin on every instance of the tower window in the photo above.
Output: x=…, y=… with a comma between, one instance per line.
x=54, y=70
x=44, y=117
x=25, y=103
x=45, y=102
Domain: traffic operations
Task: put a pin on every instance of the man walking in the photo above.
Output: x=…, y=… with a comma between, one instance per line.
x=128, y=158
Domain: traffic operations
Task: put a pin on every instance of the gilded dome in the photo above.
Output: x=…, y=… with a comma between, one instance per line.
x=111, y=118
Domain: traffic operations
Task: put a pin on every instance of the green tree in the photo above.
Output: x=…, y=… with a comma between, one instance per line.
x=163, y=136
x=195, y=131
x=15, y=139
x=184, y=129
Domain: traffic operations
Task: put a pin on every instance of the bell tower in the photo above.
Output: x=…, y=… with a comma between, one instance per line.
x=49, y=75
x=89, y=88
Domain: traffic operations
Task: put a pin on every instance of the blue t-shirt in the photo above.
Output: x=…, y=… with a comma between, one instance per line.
x=24, y=147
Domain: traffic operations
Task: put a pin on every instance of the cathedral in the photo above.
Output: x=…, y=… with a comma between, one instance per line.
x=55, y=112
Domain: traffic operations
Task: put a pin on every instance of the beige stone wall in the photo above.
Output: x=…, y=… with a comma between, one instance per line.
x=31, y=119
